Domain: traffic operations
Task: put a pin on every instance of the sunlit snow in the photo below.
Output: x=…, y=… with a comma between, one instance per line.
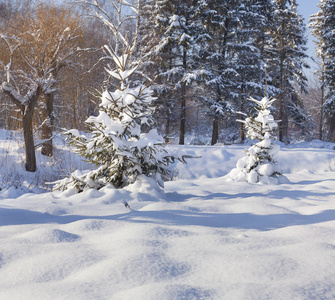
x=201, y=238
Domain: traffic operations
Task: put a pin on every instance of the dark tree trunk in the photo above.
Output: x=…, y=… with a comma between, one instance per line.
x=47, y=126
x=331, y=132
x=281, y=109
x=215, y=129
x=281, y=87
x=283, y=113
x=241, y=125
x=167, y=128
x=183, y=103
x=283, y=126
x=242, y=133
x=283, y=116
x=215, y=132
x=182, y=119
x=29, y=139
x=27, y=111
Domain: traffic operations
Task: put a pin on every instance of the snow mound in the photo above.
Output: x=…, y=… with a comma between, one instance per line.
x=146, y=188
x=45, y=236
x=93, y=225
x=200, y=239
x=10, y=193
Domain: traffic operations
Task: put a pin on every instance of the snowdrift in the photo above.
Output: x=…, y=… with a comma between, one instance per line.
x=201, y=238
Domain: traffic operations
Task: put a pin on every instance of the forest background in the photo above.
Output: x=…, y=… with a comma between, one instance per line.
x=205, y=63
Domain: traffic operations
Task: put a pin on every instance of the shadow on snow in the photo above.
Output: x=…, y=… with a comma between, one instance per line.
x=9, y=216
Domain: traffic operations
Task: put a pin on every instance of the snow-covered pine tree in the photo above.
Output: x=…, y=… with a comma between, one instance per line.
x=329, y=34
x=249, y=53
x=232, y=40
x=170, y=30
x=322, y=25
x=156, y=47
x=260, y=165
x=214, y=39
x=264, y=10
x=316, y=25
x=288, y=48
x=117, y=145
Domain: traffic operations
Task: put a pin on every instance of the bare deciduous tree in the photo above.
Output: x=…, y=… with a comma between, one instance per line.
x=38, y=45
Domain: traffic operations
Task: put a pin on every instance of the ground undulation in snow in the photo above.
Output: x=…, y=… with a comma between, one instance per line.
x=202, y=238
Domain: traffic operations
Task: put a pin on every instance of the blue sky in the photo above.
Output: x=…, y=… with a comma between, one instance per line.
x=307, y=8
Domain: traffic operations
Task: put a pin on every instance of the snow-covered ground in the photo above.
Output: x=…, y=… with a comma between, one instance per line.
x=202, y=238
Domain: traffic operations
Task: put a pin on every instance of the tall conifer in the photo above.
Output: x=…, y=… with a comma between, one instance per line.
x=323, y=24
x=288, y=54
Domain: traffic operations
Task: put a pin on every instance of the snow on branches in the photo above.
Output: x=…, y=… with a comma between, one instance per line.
x=117, y=144
x=260, y=164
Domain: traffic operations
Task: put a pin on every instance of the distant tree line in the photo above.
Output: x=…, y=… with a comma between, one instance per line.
x=205, y=56
x=214, y=52
x=322, y=26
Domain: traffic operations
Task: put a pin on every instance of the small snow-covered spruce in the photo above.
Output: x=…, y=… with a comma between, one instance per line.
x=260, y=164
x=116, y=144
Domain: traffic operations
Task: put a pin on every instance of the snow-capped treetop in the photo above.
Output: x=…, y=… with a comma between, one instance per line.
x=260, y=165
x=117, y=146
x=263, y=125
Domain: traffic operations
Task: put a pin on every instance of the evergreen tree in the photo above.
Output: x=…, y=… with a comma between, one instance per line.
x=232, y=49
x=117, y=145
x=264, y=11
x=316, y=24
x=329, y=34
x=249, y=53
x=260, y=164
x=169, y=36
x=323, y=24
x=288, y=47
x=215, y=38
x=159, y=60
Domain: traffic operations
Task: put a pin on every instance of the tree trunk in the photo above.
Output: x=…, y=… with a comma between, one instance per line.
x=27, y=119
x=331, y=132
x=167, y=128
x=282, y=91
x=47, y=126
x=215, y=132
x=182, y=118
x=183, y=103
x=283, y=125
x=27, y=111
x=281, y=115
x=74, y=109
x=241, y=126
x=284, y=122
x=322, y=99
x=29, y=138
x=242, y=133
